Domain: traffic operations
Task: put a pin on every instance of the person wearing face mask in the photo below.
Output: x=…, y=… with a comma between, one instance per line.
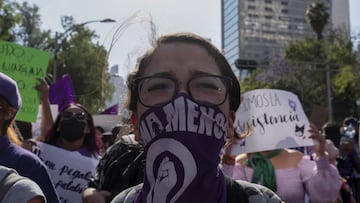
x=183, y=96
x=74, y=130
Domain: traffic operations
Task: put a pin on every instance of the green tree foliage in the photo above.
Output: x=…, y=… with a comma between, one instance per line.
x=9, y=18
x=303, y=73
x=28, y=33
x=86, y=63
x=346, y=90
x=79, y=56
x=303, y=70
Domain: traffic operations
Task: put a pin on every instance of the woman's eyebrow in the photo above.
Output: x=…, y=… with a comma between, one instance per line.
x=171, y=74
x=164, y=73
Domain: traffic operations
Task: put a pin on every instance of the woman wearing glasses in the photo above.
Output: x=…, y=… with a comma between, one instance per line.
x=183, y=95
x=74, y=130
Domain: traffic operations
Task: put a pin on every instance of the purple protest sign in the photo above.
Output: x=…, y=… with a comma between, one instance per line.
x=61, y=92
x=113, y=110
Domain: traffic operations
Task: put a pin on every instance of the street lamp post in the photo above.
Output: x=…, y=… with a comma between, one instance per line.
x=328, y=90
x=58, y=36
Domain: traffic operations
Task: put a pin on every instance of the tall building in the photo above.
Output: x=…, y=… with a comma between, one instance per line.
x=120, y=92
x=340, y=17
x=260, y=29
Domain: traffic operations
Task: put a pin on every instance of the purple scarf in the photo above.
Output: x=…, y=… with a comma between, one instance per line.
x=182, y=143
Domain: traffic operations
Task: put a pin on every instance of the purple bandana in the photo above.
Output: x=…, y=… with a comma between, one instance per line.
x=182, y=143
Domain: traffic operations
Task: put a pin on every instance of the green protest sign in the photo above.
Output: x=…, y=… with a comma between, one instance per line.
x=24, y=65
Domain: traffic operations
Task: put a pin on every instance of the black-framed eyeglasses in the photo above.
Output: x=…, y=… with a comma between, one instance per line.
x=67, y=115
x=155, y=91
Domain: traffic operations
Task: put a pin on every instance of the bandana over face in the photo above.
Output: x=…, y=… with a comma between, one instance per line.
x=182, y=142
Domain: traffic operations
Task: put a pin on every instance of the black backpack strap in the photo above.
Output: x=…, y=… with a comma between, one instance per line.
x=235, y=192
x=7, y=182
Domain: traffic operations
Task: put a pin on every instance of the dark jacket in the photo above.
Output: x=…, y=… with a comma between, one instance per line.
x=121, y=167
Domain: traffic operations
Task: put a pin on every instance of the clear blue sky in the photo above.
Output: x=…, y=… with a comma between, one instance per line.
x=199, y=16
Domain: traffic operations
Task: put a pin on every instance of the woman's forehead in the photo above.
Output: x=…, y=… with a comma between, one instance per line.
x=183, y=58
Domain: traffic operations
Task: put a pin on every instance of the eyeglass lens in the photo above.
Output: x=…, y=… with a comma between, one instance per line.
x=155, y=91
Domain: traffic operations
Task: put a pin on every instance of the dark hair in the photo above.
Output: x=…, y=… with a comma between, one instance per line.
x=100, y=129
x=91, y=142
x=331, y=130
x=190, y=38
x=6, y=123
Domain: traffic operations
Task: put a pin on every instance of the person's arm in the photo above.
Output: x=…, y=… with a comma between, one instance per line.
x=46, y=117
x=321, y=179
x=227, y=160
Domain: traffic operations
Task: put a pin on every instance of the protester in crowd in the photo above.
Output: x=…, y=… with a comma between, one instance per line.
x=349, y=160
x=46, y=116
x=331, y=130
x=108, y=138
x=19, y=189
x=289, y=173
x=13, y=156
x=350, y=129
x=99, y=131
x=183, y=96
x=74, y=130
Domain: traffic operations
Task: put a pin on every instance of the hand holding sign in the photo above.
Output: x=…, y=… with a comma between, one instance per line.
x=318, y=138
x=24, y=64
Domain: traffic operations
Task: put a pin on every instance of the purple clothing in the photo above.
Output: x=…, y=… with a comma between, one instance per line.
x=82, y=150
x=318, y=179
x=27, y=164
x=182, y=142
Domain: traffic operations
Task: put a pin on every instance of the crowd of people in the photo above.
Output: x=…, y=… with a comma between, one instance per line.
x=183, y=96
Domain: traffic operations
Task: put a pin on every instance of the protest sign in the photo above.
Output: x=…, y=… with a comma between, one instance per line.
x=113, y=110
x=106, y=121
x=275, y=120
x=24, y=65
x=62, y=93
x=70, y=171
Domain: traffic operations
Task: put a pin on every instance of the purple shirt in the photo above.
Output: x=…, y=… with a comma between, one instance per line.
x=27, y=164
x=318, y=179
x=83, y=150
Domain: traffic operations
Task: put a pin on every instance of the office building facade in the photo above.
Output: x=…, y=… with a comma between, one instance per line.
x=261, y=29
